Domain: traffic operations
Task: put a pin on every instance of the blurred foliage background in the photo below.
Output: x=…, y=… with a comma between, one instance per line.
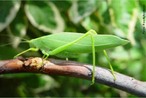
x=25, y=20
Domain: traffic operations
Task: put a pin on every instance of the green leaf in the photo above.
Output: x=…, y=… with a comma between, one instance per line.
x=124, y=18
x=17, y=29
x=8, y=11
x=81, y=9
x=122, y=15
x=7, y=53
x=120, y=54
x=89, y=23
x=143, y=3
x=63, y=5
x=134, y=67
x=44, y=16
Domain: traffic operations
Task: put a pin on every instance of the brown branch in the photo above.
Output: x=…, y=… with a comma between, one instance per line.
x=74, y=69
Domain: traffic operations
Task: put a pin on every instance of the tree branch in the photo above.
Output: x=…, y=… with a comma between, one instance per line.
x=74, y=69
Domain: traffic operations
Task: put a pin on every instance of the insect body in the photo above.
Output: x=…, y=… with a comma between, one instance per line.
x=75, y=43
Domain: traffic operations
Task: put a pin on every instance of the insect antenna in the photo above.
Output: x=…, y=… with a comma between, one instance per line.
x=2, y=45
x=23, y=40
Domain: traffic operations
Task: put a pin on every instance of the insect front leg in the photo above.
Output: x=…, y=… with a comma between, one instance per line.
x=30, y=49
x=46, y=55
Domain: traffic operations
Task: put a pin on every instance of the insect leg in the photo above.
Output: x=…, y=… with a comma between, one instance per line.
x=94, y=58
x=46, y=55
x=61, y=48
x=110, y=65
x=30, y=49
x=105, y=53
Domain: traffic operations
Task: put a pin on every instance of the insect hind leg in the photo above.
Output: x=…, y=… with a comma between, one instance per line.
x=110, y=65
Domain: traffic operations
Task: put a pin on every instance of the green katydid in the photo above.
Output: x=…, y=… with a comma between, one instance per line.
x=75, y=43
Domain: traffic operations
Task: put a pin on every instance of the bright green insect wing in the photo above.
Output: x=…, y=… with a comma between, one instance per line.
x=51, y=42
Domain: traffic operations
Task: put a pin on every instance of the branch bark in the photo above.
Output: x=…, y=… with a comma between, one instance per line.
x=74, y=69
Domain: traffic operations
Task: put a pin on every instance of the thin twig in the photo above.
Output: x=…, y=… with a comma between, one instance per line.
x=74, y=69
